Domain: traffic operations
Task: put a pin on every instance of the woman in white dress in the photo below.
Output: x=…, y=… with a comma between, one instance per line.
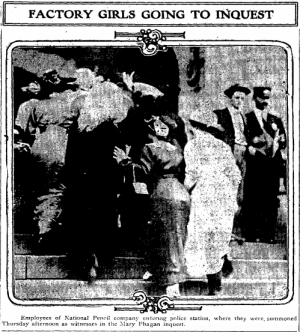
x=212, y=177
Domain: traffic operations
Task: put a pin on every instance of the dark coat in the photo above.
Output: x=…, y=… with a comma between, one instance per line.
x=262, y=176
x=264, y=169
x=254, y=129
x=92, y=178
x=225, y=120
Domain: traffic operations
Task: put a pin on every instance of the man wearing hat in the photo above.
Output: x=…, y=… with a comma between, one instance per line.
x=232, y=125
x=232, y=119
x=266, y=138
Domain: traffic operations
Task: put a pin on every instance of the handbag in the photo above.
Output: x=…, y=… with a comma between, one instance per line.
x=140, y=188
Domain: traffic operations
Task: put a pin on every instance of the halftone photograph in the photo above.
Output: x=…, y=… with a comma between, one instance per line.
x=163, y=173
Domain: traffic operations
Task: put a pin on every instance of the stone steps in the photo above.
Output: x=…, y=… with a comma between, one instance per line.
x=260, y=272
x=124, y=289
x=55, y=267
x=23, y=244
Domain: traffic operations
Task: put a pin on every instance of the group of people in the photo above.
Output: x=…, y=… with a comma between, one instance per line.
x=258, y=142
x=111, y=150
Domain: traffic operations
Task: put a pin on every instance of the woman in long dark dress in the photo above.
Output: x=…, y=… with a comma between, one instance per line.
x=161, y=160
x=93, y=178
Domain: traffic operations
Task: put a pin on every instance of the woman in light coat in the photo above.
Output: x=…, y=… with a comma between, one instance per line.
x=212, y=177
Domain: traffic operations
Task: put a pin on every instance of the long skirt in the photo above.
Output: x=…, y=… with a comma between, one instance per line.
x=169, y=216
x=209, y=228
x=261, y=201
x=48, y=152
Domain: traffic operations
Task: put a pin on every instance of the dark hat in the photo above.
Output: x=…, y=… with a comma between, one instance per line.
x=262, y=92
x=49, y=73
x=230, y=91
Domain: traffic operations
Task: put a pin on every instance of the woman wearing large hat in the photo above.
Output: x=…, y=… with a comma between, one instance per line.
x=161, y=159
x=212, y=177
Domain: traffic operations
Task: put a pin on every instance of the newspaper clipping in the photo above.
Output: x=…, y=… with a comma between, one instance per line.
x=150, y=166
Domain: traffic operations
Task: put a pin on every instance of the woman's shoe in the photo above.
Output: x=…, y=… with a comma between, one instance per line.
x=92, y=275
x=214, y=283
x=92, y=270
x=216, y=291
x=227, y=267
x=173, y=291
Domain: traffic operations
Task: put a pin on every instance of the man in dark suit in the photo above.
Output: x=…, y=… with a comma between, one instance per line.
x=265, y=165
x=232, y=126
x=231, y=119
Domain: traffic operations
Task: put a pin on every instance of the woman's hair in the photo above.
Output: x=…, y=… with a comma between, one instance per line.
x=145, y=105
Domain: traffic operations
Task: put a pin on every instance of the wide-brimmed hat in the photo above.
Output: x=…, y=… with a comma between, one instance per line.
x=230, y=91
x=48, y=74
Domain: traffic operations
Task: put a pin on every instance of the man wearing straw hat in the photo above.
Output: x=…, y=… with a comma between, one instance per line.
x=232, y=131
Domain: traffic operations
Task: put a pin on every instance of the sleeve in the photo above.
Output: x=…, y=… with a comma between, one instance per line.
x=231, y=169
x=191, y=173
x=26, y=122
x=24, y=112
x=282, y=143
x=146, y=162
x=217, y=129
x=217, y=114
